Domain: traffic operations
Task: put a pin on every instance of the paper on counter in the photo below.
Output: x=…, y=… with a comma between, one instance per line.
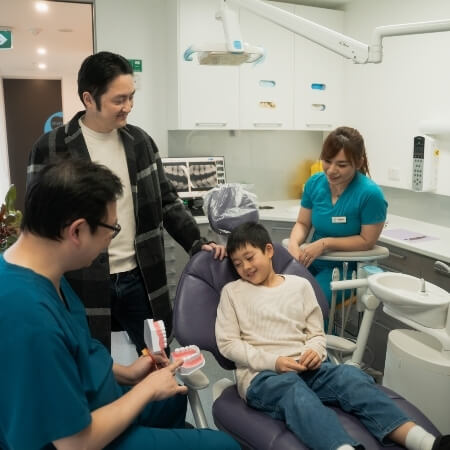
x=406, y=235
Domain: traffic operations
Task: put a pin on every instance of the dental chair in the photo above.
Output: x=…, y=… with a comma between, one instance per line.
x=195, y=306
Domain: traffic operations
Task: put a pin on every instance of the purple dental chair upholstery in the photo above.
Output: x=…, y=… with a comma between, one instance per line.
x=196, y=301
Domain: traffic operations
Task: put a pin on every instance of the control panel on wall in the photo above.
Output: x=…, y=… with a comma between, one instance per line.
x=425, y=164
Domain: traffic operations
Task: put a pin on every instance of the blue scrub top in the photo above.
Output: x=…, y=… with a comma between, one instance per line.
x=361, y=203
x=52, y=372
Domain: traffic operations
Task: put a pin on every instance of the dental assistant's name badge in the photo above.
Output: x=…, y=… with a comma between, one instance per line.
x=341, y=219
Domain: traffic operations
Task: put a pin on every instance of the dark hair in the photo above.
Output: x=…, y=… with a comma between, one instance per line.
x=97, y=71
x=66, y=190
x=352, y=142
x=248, y=233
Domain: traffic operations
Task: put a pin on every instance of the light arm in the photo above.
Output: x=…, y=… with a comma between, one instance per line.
x=358, y=52
x=332, y=40
x=376, y=47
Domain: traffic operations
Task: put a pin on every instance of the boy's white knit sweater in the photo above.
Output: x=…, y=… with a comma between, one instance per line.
x=257, y=324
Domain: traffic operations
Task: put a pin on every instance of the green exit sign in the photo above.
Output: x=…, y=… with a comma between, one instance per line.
x=5, y=39
x=136, y=64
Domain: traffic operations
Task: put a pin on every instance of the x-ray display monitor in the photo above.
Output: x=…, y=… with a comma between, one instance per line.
x=194, y=176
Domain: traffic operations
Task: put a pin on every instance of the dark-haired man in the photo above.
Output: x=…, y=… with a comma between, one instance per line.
x=59, y=387
x=131, y=278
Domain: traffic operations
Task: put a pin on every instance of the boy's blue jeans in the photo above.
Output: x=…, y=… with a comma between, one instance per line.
x=299, y=400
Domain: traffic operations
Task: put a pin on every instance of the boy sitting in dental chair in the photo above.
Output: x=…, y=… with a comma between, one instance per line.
x=271, y=326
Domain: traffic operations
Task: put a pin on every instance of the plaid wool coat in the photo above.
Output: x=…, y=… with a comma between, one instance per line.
x=156, y=206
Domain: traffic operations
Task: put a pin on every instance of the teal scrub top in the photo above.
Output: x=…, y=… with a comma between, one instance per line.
x=53, y=374
x=361, y=203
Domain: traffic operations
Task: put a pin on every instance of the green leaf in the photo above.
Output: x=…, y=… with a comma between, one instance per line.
x=10, y=198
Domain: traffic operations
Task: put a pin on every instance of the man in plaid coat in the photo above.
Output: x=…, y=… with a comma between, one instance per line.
x=128, y=281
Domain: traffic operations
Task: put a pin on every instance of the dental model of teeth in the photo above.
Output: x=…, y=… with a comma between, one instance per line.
x=193, y=359
x=155, y=335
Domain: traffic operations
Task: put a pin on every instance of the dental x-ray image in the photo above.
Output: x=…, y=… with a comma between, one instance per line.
x=202, y=176
x=192, y=177
x=178, y=174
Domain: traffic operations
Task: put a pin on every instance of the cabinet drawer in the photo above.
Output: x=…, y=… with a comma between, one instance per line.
x=278, y=230
x=411, y=263
x=401, y=260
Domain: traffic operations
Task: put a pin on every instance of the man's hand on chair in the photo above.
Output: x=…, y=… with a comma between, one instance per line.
x=219, y=250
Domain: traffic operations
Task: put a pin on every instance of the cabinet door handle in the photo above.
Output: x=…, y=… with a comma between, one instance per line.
x=211, y=124
x=396, y=255
x=319, y=126
x=442, y=268
x=267, y=125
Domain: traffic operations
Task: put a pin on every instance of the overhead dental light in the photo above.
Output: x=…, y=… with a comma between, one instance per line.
x=234, y=51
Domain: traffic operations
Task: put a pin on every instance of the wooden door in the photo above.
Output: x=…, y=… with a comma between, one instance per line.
x=32, y=107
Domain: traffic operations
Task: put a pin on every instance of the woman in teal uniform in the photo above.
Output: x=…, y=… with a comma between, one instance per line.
x=345, y=207
x=58, y=386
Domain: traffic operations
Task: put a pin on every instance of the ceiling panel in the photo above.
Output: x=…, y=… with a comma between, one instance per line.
x=65, y=31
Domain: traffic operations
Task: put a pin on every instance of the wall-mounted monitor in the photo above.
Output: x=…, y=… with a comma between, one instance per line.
x=194, y=176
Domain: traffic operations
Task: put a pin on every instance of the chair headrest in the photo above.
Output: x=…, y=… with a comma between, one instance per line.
x=229, y=205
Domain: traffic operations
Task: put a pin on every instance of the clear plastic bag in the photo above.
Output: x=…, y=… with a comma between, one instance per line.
x=229, y=205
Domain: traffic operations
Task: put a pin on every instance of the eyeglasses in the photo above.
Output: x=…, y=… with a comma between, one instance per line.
x=115, y=228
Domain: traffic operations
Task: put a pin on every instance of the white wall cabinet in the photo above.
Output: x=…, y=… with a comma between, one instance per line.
x=298, y=86
x=266, y=100
x=200, y=96
x=319, y=75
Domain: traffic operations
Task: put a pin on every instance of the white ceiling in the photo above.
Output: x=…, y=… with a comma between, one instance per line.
x=65, y=31
x=65, y=49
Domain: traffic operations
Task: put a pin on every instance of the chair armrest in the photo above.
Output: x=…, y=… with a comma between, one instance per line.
x=197, y=380
x=220, y=386
x=340, y=344
x=377, y=252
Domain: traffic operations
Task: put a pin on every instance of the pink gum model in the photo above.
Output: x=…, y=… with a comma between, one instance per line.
x=155, y=335
x=193, y=359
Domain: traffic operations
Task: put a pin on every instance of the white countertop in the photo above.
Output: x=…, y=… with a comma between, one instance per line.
x=287, y=211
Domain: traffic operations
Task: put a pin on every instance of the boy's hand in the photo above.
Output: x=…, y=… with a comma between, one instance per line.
x=287, y=364
x=310, y=359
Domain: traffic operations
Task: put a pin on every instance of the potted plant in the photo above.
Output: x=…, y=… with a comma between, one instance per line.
x=10, y=219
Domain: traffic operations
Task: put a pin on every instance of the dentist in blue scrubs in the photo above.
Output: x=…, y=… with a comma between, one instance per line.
x=59, y=387
x=345, y=207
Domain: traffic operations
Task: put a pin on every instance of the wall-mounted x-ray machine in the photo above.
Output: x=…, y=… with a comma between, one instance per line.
x=235, y=51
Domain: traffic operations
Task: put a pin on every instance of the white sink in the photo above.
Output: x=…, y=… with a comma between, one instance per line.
x=411, y=297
